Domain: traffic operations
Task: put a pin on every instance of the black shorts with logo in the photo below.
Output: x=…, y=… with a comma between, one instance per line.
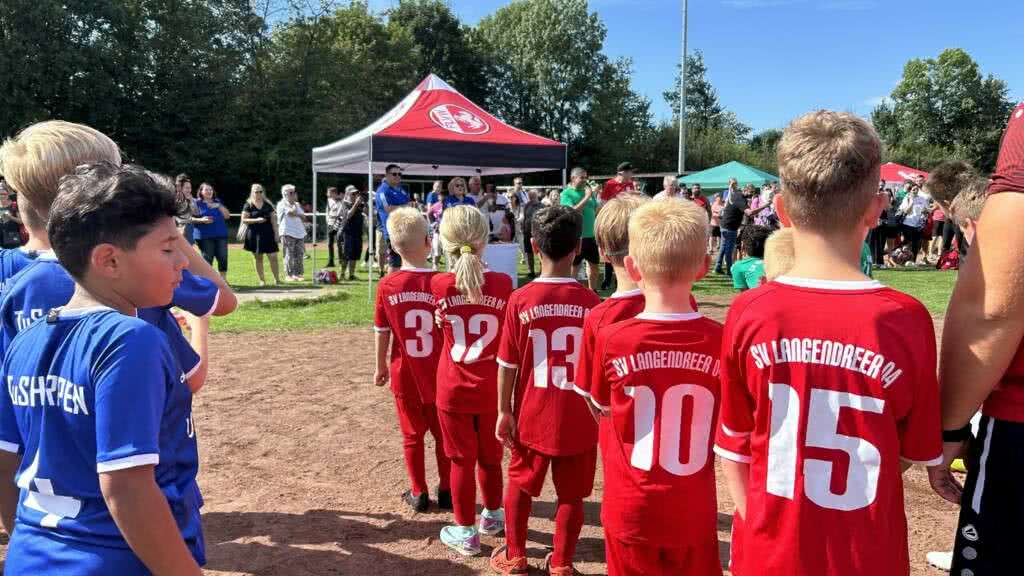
x=588, y=252
x=992, y=508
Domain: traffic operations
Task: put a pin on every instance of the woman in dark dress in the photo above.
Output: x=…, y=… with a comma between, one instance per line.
x=352, y=230
x=261, y=232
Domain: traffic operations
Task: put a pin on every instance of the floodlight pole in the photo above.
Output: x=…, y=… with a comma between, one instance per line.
x=681, y=167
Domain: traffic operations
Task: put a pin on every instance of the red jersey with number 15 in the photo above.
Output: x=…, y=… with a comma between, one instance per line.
x=543, y=338
x=658, y=375
x=467, y=376
x=405, y=307
x=826, y=386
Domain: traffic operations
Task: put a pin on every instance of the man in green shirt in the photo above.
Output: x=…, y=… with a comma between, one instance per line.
x=749, y=272
x=582, y=197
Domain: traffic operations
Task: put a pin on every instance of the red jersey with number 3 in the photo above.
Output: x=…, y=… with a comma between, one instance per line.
x=826, y=387
x=543, y=338
x=658, y=376
x=405, y=307
x=467, y=376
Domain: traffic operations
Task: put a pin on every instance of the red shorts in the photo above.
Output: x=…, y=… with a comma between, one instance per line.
x=573, y=476
x=639, y=560
x=470, y=436
x=414, y=417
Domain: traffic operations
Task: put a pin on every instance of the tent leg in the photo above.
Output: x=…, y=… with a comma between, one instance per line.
x=313, y=261
x=372, y=234
x=564, y=181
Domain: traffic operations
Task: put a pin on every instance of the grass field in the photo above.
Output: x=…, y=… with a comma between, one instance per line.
x=349, y=305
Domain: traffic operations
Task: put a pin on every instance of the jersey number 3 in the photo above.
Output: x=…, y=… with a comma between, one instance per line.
x=423, y=323
x=822, y=432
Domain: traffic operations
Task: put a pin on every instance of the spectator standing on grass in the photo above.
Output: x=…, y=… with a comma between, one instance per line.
x=915, y=215
x=733, y=211
x=390, y=196
x=354, y=211
x=552, y=198
x=519, y=191
x=475, y=190
x=290, y=225
x=622, y=182
x=696, y=195
x=435, y=192
x=10, y=221
x=670, y=189
x=334, y=221
x=211, y=228
x=715, y=241
x=581, y=196
x=982, y=364
x=183, y=185
x=261, y=232
x=529, y=211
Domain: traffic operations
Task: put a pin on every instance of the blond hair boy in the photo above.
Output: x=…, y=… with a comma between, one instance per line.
x=405, y=308
x=844, y=367
x=645, y=367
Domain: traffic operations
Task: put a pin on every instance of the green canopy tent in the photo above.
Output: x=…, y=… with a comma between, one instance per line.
x=717, y=178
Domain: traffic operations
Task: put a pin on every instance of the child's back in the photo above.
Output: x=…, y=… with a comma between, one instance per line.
x=657, y=374
x=544, y=328
x=467, y=366
x=12, y=261
x=827, y=386
x=70, y=376
x=31, y=293
x=405, y=306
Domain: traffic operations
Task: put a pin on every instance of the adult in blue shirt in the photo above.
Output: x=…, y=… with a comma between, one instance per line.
x=390, y=195
x=211, y=229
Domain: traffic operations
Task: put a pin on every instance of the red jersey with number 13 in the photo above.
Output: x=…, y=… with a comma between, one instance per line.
x=543, y=338
x=826, y=386
x=405, y=307
x=467, y=376
x=658, y=375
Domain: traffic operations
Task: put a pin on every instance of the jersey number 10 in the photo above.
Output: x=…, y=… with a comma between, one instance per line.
x=645, y=406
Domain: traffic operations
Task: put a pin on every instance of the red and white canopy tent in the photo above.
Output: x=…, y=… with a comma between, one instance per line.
x=893, y=173
x=435, y=131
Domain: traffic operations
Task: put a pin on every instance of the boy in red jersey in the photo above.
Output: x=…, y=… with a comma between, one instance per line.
x=471, y=301
x=405, y=307
x=655, y=377
x=828, y=378
x=547, y=424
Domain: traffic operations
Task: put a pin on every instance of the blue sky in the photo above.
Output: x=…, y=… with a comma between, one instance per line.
x=771, y=60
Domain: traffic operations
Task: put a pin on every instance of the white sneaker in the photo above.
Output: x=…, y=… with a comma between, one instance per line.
x=940, y=560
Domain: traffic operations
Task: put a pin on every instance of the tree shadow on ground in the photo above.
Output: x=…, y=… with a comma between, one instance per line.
x=322, y=542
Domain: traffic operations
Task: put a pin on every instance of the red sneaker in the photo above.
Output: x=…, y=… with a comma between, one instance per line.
x=558, y=570
x=501, y=564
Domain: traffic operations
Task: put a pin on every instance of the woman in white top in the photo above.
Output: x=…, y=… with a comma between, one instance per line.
x=915, y=215
x=293, y=233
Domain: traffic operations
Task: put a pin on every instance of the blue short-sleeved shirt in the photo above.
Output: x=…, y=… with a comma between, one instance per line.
x=195, y=295
x=217, y=229
x=12, y=261
x=71, y=380
x=387, y=197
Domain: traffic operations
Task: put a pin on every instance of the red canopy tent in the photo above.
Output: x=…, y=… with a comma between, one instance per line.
x=893, y=172
x=435, y=131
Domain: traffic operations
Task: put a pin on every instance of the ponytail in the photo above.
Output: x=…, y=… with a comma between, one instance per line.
x=464, y=233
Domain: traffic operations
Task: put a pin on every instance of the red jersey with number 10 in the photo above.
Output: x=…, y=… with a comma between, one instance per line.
x=405, y=307
x=658, y=375
x=467, y=376
x=543, y=338
x=826, y=386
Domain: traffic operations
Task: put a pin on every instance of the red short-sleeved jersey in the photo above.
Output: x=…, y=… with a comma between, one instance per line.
x=543, y=338
x=613, y=188
x=825, y=387
x=405, y=307
x=658, y=375
x=467, y=377
x=1009, y=174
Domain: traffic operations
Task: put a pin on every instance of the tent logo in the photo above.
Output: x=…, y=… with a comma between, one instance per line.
x=457, y=119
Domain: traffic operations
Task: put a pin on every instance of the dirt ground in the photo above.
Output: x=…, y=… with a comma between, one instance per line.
x=302, y=471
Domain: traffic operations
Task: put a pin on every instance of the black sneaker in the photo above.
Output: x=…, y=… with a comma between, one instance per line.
x=444, y=499
x=419, y=503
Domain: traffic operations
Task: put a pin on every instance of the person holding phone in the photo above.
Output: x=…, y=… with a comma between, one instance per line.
x=10, y=222
x=211, y=229
x=261, y=232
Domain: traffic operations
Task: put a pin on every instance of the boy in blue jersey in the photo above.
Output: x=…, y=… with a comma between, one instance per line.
x=96, y=426
x=34, y=162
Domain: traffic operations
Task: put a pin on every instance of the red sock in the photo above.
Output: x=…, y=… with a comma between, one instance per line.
x=463, y=491
x=568, y=523
x=415, y=464
x=517, y=517
x=444, y=465
x=490, y=484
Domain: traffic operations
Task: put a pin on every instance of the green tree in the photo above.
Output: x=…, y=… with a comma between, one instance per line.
x=944, y=108
x=703, y=110
x=618, y=122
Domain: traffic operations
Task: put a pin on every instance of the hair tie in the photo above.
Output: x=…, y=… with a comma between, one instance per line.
x=466, y=249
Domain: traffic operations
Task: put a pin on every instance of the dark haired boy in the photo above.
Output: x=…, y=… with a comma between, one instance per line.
x=100, y=492
x=748, y=273
x=542, y=421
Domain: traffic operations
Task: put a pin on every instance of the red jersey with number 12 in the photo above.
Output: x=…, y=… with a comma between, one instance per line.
x=826, y=386
x=543, y=338
x=467, y=376
x=405, y=307
x=658, y=375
